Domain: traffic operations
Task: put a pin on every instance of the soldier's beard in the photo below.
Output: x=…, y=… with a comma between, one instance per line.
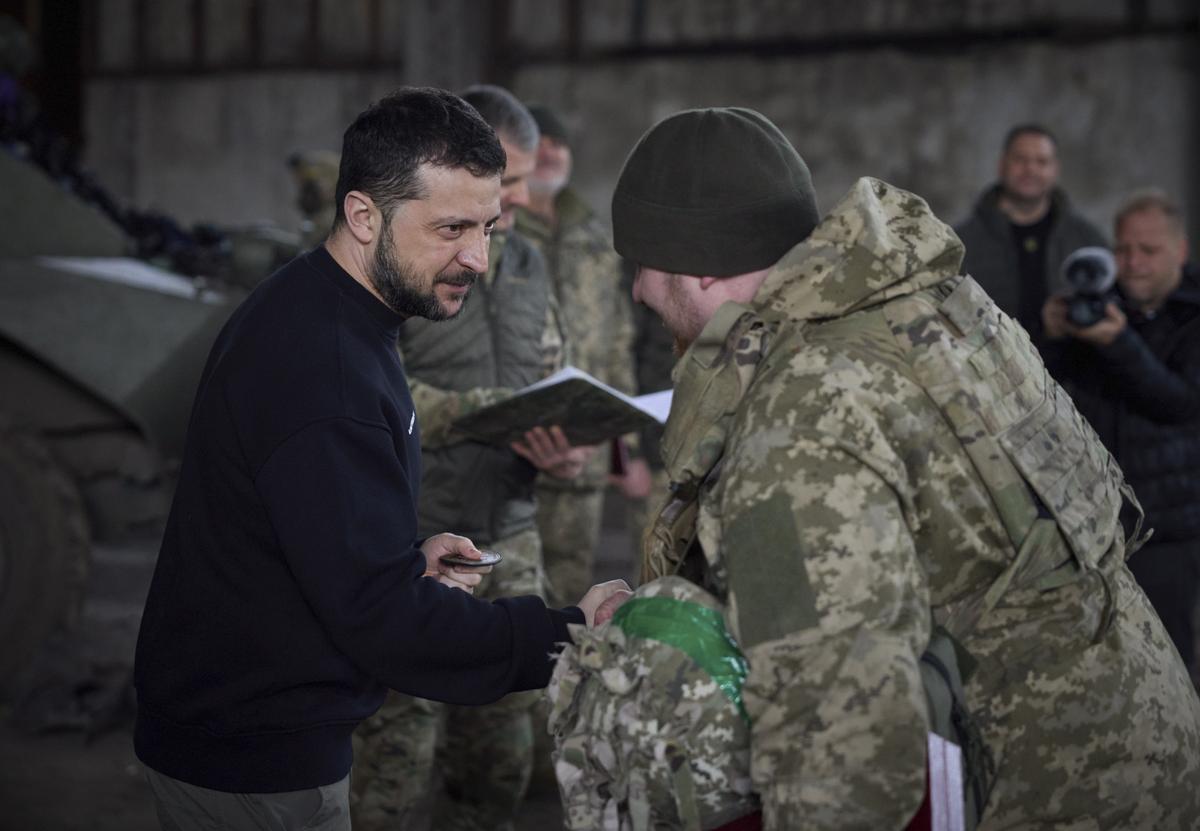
x=397, y=283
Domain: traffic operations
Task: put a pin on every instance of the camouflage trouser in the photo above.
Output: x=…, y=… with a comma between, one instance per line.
x=569, y=523
x=419, y=761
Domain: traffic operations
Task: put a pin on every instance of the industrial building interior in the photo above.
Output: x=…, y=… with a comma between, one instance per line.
x=170, y=132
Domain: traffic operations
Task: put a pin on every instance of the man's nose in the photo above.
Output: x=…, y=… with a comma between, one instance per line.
x=475, y=255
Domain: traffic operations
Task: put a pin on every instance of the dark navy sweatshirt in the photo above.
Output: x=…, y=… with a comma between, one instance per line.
x=289, y=591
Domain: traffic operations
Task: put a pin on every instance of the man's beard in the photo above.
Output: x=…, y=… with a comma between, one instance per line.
x=549, y=186
x=396, y=283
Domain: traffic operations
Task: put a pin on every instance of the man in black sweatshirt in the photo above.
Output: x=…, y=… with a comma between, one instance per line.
x=291, y=589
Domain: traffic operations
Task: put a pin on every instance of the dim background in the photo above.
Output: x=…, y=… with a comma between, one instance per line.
x=192, y=107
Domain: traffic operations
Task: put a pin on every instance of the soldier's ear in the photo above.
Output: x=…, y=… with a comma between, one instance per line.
x=362, y=217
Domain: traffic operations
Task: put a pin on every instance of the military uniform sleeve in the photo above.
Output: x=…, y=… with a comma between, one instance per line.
x=438, y=409
x=830, y=605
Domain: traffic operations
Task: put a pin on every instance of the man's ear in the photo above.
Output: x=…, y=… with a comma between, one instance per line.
x=362, y=217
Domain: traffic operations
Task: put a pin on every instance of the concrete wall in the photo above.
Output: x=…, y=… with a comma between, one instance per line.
x=919, y=92
x=195, y=116
x=214, y=149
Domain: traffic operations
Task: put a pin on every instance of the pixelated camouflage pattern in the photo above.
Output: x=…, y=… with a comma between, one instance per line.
x=870, y=439
x=484, y=754
x=642, y=516
x=569, y=523
x=392, y=783
x=597, y=315
x=644, y=737
x=598, y=325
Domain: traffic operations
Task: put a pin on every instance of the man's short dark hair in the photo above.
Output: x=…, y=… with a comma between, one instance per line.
x=1028, y=130
x=504, y=111
x=385, y=147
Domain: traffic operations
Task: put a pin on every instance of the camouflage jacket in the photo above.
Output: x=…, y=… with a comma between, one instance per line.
x=598, y=323
x=871, y=441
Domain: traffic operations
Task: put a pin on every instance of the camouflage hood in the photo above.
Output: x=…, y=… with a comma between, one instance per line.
x=878, y=242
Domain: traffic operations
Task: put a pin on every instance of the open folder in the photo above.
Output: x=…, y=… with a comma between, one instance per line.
x=588, y=410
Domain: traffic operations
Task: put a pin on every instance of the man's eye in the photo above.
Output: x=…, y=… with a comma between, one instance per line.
x=487, y=229
x=452, y=230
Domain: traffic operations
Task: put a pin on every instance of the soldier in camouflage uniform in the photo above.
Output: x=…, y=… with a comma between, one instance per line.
x=862, y=445
x=506, y=337
x=586, y=275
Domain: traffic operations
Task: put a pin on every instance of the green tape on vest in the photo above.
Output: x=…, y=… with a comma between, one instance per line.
x=695, y=630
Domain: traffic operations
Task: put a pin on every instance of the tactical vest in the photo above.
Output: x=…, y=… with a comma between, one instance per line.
x=1056, y=489
x=483, y=492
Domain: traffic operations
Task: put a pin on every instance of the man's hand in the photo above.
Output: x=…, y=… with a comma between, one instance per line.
x=456, y=577
x=604, y=596
x=609, y=607
x=550, y=452
x=1056, y=324
x=635, y=482
x=1104, y=331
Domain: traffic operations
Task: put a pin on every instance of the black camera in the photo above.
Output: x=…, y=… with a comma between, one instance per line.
x=1091, y=275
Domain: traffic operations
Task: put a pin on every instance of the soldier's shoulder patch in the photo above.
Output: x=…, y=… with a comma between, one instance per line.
x=766, y=572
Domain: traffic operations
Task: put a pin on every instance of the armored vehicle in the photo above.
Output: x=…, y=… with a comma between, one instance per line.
x=100, y=353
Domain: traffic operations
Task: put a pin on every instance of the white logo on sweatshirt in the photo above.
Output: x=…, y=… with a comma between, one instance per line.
x=412, y=421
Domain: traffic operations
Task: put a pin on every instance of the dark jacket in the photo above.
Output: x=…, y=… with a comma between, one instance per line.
x=991, y=251
x=1142, y=394
x=289, y=592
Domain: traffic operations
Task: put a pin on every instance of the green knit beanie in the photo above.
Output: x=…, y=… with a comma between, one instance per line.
x=712, y=193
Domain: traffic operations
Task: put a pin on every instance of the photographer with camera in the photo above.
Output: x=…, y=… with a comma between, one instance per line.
x=1129, y=354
